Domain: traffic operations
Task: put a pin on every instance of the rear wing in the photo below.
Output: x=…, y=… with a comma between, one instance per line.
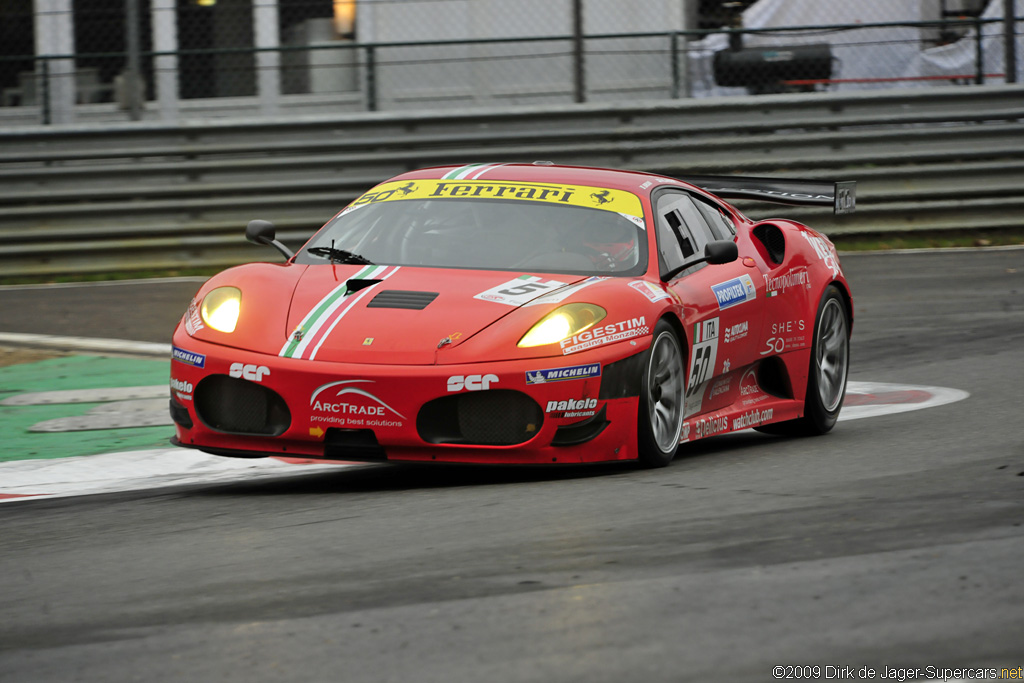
x=841, y=196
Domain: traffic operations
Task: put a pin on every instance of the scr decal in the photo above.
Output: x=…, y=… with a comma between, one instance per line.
x=734, y=292
x=471, y=382
x=605, y=334
x=196, y=360
x=518, y=292
x=563, y=374
x=250, y=372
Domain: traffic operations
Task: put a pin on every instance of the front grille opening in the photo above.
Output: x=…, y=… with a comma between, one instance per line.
x=237, y=406
x=498, y=417
x=353, y=444
x=180, y=414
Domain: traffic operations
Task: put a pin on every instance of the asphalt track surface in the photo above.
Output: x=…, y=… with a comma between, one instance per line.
x=894, y=542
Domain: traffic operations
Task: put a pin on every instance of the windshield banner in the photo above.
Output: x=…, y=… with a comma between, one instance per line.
x=618, y=201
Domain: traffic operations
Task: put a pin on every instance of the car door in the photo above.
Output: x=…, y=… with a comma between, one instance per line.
x=720, y=302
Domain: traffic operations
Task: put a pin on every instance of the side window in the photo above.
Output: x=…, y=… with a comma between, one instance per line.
x=717, y=219
x=683, y=231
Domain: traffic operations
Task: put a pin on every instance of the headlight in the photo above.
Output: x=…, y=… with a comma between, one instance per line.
x=220, y=308
x=562, y=323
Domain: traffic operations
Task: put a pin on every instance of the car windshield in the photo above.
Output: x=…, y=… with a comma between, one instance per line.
x=489, y=234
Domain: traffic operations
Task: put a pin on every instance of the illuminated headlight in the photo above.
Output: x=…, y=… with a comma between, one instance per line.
x=220, y=308
x=562, y=323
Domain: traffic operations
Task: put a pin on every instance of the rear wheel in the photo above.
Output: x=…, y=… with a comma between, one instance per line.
x=830, y=364
x=661, y=399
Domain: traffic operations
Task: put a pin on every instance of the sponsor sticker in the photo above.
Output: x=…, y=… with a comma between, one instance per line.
x=736, y=332
x=519, y=291
x=471, y=382
x=792, y=278
x=605, y=334
x=752, y=419
x=193, y=320
x=253, y=373
x=563, y=374
x=650, y=290
x=734, y=292
x=583, y=407
x=196, y=360
x=182, y=389
x=618, y=201
x=825, y=251
x=348, y=403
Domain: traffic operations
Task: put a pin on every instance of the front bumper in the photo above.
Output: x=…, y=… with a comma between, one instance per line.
x=571, y=409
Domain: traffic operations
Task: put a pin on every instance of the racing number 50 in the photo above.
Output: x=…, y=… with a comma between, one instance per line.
x=701, y=368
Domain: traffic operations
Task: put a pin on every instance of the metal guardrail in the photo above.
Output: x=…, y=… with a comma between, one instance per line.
x=143, y=196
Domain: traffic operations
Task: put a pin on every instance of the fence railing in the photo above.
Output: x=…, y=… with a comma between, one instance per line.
x=349, y=76
x=130, y=197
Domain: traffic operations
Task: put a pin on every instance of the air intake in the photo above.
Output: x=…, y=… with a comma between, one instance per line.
x=397, y=298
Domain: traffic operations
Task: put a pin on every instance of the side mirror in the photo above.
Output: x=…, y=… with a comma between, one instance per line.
x=715, y=253
x=265, y=232
x=721, y=251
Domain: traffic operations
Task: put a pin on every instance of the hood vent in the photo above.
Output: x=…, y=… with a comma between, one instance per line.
x=397, y=298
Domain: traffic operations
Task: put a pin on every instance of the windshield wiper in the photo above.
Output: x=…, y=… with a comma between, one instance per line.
x=339, y=255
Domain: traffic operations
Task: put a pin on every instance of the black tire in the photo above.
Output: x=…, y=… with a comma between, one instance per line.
x=826, y=378
x=663, y=387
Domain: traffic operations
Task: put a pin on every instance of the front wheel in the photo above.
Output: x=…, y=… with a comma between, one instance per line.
x=660, y=420
x=830, y=364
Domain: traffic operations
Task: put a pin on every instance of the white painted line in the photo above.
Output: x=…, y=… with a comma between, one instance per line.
x=40, y=398
x=134, y=470
x=87, y=344
x=871, y=399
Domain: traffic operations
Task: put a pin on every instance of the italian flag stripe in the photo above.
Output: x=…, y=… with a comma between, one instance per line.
x=311, y=322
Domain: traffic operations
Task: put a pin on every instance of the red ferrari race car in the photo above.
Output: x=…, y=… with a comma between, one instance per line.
x=522, y=313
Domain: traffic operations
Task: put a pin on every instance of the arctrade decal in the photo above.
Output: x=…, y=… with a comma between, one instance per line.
x=618, y=201
x=794, y=277
x=352, y=406
x=519, y=291
x=605, y=334
x=196, y=360
x=583, y=407
x=734, y=292
x=563, y=374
